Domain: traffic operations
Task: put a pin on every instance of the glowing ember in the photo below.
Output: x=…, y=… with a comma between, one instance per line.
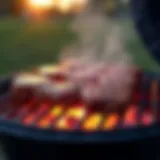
x=147, y=118
x=48, y=119
x=31, y=118
x=78, y=113
x=93, y=122
x=130, y=118
x=111, y=121
x=71, y=119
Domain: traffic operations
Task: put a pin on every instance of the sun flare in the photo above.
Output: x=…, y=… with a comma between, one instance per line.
x=41, y=3
x=62, y=5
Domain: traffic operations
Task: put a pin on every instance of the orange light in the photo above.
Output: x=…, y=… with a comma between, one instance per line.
x=111, y=121
x=93, y=122
x=65, y=5
x=49, y=118
x=56, y=111
x=79, y=4
x=44, y=123
x=41, y=3
x=72, y=117
x=77, y=113
x=131, y=116
x=62, y=124
x=29, y=119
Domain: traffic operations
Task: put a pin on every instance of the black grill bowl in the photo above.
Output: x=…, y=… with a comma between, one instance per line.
x=29, y=142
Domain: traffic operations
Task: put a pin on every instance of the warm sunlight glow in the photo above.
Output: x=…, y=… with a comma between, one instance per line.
x=70, y=5
x=79, y=4
x=65, y=5
x=42, y=3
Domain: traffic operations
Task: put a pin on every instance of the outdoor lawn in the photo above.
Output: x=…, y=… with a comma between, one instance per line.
x=24, y=45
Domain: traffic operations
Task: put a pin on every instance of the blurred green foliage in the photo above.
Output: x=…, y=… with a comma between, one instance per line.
x=28, y=44
x=24, y=45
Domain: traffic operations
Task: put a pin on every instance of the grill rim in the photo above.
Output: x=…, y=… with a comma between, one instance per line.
x=118, y=135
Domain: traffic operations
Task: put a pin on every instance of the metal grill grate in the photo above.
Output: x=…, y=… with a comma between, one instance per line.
x=48, y=121
x=142, y=111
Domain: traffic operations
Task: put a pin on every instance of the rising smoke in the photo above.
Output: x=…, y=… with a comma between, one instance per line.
x=103, y=68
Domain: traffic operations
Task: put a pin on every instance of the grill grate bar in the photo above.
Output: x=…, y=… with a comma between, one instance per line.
x=54, y=123
x=111, y=121
x=158, y=101
x=92, y=122
x=154, y=100
x=44, y=108
x=144, y=99
x=79, y=126
x=49, y=118
x=56, y=118
x=143, y=110
x=6, y=106
x=121, y=121
x=25, y=110
x=81, y=122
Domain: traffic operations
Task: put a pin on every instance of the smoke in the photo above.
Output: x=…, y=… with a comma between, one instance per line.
x=102, y=67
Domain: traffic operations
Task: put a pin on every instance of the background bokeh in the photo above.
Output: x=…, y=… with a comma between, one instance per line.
x=26, y=41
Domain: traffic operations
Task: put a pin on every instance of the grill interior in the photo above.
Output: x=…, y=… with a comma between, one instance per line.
x=143, y=110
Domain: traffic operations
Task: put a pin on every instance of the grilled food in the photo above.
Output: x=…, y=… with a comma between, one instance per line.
x=53, y=72
x=24, y=86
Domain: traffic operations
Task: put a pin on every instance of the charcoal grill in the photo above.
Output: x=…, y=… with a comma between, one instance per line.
x=140, y=119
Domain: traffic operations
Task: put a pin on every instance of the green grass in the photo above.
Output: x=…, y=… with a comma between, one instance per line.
x=24, y=45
